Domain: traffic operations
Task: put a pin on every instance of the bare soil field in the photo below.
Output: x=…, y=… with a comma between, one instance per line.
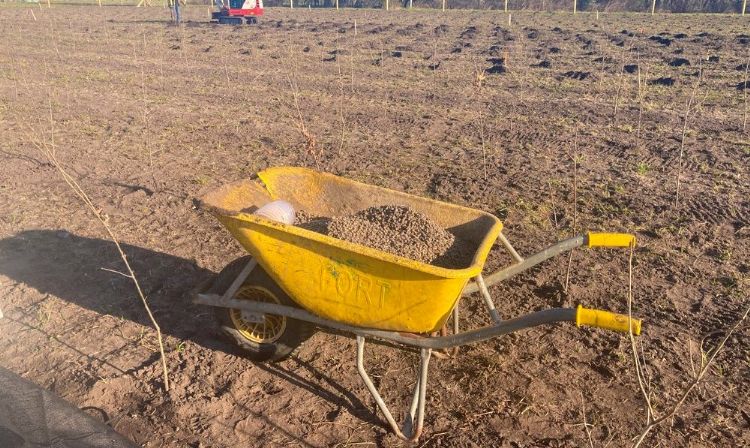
x=461, y=107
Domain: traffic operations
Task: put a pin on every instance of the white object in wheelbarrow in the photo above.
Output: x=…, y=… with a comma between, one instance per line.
x=280, y=211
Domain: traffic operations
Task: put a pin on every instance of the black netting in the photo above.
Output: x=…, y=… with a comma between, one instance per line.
x=32, y=417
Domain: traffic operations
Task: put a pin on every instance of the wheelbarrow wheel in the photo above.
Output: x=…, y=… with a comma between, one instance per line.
x=263, y=337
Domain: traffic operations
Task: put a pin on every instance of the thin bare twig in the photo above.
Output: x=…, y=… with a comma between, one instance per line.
x=351, y=59
x=144, y=105
x=310, y=141
x=652, y=421
x=78, y=190
x=621, y=78
x=73, y=184
x=695, y=382
x=641, y=95
x=585, y=424
x=484, y=144
x=688, y=109
x=636, y=361
x=745, y=86
x=575, y=158
x=116, y=272
x=341, y=101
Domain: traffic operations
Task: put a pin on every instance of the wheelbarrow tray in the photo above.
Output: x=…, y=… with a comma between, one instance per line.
x=344, y=281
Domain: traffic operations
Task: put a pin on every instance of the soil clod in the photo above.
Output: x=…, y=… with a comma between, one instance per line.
x=662, y=40
x=678, y=62
x=575, y=74
x=663, y=81
x=498, y=65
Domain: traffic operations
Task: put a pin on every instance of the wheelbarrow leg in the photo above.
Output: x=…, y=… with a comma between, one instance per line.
x=449, y=352
x=511, y=250
x=455, y=318
x=410, y=432
x=237, y=283
x=488, y=299
x=454, y=351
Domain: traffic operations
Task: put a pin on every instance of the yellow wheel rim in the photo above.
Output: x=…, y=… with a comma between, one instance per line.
x=261, y=331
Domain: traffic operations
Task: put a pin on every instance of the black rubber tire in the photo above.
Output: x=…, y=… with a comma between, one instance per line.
x=295, y=333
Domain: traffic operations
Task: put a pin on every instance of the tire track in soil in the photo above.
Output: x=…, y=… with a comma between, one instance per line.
x=712, y=210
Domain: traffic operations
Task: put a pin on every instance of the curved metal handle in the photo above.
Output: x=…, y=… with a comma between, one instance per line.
x=591, y=239
x=528, y=263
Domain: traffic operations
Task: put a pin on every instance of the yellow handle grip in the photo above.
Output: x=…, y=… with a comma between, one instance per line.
x=606, y=320
x=610, y=239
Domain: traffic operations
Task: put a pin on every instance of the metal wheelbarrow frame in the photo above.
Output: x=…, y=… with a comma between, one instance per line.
x=424, y=342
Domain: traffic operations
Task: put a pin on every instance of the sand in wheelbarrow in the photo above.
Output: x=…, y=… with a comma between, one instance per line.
x=395, y=229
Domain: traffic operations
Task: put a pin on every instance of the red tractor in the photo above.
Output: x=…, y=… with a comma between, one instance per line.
x=233, y=11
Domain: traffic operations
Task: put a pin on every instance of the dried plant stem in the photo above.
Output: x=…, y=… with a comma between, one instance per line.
x=14, y=73
x=342, y=118
x=18, y=76
x=55, y=38
x=652, y=420
x=49, y=151
x=575, y=214
x=484, y=144
x=621, y=78
x=351, y=58
x=144, y=109
x=585, y=423
x=551, y=186
x=310, y=141
x=686, y=117
x=694, y=383
x=603, y=71
x=636, y=361
x=52, y=122
x=73, y=184
x=744, y=92
x=641, y=95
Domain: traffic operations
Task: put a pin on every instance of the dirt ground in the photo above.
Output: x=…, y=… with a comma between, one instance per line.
x=460, y=107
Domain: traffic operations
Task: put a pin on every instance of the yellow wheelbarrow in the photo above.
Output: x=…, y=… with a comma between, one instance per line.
x=296, y=279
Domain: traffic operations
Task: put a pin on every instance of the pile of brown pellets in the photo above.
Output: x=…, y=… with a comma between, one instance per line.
x=397, y=230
